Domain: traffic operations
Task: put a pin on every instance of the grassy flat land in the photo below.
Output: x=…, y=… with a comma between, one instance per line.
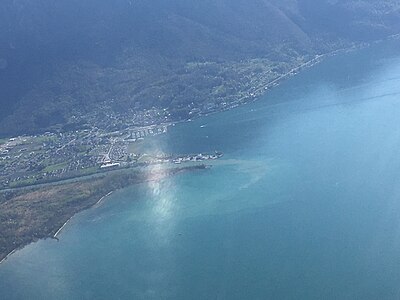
x=55, y=167
x=29, y=215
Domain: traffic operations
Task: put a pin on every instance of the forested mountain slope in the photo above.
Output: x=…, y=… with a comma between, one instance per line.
x=62, y=59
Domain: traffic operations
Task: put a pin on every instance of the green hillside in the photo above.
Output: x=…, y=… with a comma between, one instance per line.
x=64, y=60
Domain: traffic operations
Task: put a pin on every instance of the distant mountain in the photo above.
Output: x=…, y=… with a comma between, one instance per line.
x=60, y=59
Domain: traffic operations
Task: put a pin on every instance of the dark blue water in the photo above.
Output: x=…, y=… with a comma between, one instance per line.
x=305, y=203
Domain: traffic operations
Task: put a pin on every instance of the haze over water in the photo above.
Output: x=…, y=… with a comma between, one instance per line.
x=305, y=203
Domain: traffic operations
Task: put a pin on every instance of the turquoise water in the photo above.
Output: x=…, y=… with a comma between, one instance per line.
x=305, y=203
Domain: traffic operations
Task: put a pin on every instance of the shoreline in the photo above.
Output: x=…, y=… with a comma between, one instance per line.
x=55, y=236
x=168, y=172
x=102, y=198
x=262, y=90
x=61, y=228
x=8, y=255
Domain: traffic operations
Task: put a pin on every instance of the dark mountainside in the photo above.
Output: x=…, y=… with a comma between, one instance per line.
x=61, y=61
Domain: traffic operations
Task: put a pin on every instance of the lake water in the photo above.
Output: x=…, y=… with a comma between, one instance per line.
x=305, y=203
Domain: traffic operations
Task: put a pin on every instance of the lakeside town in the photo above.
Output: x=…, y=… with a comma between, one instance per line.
x=98, y=147
x=50, y=157
x=103, y=146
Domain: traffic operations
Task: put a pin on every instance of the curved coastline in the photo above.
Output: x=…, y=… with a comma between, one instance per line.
x=8, y=255
x=260, y=91
x=95, y=205
x=119, y=182
x=55, y=236
x=275, y=82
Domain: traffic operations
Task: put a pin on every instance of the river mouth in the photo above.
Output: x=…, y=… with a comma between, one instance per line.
x=303, y=205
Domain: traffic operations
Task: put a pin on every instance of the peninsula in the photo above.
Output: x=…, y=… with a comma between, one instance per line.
x=27, y=215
